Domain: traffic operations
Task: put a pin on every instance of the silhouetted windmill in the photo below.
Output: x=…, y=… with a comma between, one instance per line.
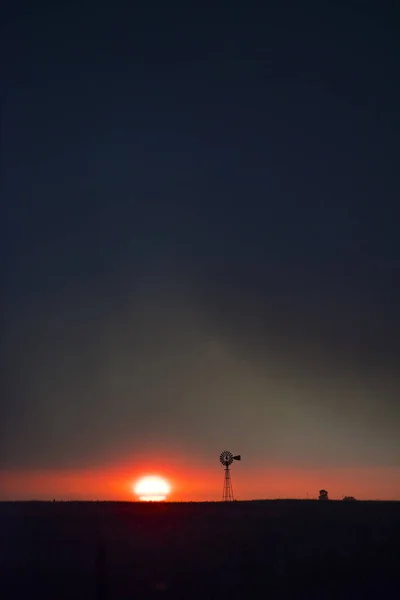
x=226, y=458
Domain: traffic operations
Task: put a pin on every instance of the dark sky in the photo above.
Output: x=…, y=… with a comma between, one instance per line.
x=199, y=232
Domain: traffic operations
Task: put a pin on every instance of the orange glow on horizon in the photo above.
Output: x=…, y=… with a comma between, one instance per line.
x=200, y=483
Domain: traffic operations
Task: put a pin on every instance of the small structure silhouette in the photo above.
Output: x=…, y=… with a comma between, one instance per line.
x=323, y=495
x=226, y=459
x=349, y=499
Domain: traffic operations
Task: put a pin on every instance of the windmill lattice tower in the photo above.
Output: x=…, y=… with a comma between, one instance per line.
x=226, y=459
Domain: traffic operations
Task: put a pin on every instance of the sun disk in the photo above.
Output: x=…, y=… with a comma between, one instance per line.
x=152, y=488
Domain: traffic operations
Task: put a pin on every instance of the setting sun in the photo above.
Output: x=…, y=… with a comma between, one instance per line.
x=152, y=488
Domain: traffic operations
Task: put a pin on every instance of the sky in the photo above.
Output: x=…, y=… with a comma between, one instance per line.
x=199, y=248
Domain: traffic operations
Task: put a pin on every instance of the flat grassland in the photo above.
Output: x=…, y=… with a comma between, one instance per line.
x=261, y=549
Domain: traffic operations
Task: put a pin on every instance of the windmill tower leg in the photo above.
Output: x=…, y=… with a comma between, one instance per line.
x=227, y=495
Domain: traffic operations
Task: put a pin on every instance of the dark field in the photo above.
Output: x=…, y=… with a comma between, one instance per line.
x=269, y=549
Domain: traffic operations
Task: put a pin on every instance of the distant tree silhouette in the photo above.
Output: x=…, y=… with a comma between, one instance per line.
x=323, y=495
x=349, y=499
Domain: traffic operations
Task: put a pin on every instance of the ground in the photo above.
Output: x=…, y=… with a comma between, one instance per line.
x=267, y=549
